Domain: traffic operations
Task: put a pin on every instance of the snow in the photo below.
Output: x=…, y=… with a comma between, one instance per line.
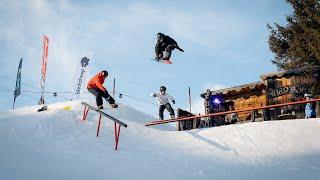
x=56, y=144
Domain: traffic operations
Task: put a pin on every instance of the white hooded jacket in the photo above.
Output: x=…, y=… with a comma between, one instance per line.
x=163, y=99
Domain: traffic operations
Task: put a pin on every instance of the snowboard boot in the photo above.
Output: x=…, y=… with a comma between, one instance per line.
x=114, y=105
x=44, y=108
x=100, y=107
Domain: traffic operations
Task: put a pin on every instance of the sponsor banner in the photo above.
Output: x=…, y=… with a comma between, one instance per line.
x=81, y=78
x=17, y=90
x=44, y=61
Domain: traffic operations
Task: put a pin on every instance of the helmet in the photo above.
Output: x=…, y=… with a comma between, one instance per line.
x=105, y=73
x=160, y=35
x=163, y=88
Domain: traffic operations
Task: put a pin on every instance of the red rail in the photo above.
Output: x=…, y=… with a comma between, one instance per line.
x=228, y=112
x=117, y=123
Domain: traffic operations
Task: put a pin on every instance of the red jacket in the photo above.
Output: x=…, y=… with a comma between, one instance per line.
x=96, y=82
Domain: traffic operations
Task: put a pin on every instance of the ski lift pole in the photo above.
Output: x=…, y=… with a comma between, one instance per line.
x=114, y=87
x=190, y=98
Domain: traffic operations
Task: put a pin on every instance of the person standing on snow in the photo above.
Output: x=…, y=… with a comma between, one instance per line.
x=165, y=45
x=309, y=111
x=96, y=88
x=163, y=101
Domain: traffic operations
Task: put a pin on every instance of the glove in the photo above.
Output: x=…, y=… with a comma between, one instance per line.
x=173, y=101
x=176, y=45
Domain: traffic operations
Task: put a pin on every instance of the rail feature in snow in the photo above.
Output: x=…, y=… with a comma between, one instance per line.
x=117, y=123
x=229, y=112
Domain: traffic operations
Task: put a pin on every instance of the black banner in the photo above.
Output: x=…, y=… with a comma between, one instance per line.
x=17, y=90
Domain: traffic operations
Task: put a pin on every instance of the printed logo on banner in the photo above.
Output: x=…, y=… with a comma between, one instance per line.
x=79, y=83
x=84, y=62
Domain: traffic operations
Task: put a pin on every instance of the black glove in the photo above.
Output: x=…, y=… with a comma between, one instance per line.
x=180, y=49
x=173, y=101
x=158, y=57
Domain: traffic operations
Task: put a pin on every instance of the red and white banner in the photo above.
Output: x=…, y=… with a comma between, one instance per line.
x=44, y=61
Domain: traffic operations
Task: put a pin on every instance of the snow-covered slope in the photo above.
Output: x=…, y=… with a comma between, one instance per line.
x=56, y=144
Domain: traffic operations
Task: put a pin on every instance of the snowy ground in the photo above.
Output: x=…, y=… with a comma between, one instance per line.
x=56, y=144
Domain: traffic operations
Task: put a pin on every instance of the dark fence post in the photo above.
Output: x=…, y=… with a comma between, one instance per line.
x=253, y=115
x=318, y=109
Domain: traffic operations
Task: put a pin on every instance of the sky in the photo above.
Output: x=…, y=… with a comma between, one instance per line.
x=225, y=44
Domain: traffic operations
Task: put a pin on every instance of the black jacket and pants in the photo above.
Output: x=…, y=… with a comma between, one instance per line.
x=166, y=45
x=99, y=94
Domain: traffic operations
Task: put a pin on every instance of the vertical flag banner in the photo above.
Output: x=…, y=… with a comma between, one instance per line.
x=44, y=62
x=17, y=90
x=81, y=78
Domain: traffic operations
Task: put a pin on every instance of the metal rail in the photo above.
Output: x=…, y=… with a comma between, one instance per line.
x=229, y=112
x=117, y=127
x=104, y=114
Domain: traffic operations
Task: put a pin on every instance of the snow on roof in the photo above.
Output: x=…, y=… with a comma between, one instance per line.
x=289, y=72
x=237, y=89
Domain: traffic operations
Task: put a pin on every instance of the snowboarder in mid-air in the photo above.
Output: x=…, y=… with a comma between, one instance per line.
x=163, y=101
x=96, y=88
x=165, y=45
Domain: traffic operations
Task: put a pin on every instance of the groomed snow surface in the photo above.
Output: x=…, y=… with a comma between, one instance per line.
x=56, y=144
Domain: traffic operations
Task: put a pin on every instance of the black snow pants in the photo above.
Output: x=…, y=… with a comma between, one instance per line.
x=167, y=52
x=98, y=93
x=163, y=107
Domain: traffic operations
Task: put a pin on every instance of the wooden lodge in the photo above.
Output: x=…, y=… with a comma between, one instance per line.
x=239, y=97
x=273, y=88
x=291, y=86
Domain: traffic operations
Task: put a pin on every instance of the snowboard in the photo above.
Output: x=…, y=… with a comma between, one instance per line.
x=162, y=61
x=109, y=106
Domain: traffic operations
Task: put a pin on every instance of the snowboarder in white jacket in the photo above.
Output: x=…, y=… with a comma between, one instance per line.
x=163, y=101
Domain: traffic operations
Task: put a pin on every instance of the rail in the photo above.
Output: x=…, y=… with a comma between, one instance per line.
x=229, y=112
x=117, y=123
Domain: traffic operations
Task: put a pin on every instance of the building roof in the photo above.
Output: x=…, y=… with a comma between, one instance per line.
x=237, y=89
x=280, y=74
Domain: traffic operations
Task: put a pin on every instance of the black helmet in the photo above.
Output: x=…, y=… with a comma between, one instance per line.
x=105, y=73
x=160, y=35
x=163, y=88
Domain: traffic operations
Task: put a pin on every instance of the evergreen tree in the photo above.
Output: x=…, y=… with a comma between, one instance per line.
x=298, y=43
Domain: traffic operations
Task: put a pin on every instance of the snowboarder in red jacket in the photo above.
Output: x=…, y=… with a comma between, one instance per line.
x=96, y=88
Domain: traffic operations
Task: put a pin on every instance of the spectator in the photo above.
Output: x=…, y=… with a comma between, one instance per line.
x=309, y=110
x=231, y=118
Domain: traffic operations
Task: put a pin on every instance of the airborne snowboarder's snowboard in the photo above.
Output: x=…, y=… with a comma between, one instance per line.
x=163, y=61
